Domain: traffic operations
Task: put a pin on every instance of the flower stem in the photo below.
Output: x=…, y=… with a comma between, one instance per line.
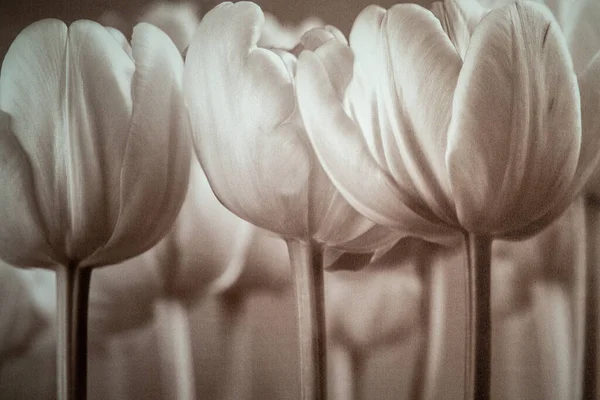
x=590, y=362
x=174, y=345
x=478, y=332
x=433, y=314
x=307, y=265
x=72, y=295
x=347, y=372
x=236, y=346
x=552, y=317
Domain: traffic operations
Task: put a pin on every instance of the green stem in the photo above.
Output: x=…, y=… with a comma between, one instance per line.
x=72, y=296
x=307, y=265
x=478, y=332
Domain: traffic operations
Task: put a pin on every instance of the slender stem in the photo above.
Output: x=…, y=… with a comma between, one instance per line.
x=433, y=314
x=347, y=372
x=236, y=347
x=552, y=317
x=478, y=332
x=174, y=345
x=72, y=295
x=590, y=362
x=307, y=265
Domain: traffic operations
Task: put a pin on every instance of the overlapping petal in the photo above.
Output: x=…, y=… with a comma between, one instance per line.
x=459, y=19
x=250, y=138
x=440, y=145
x=337, y=140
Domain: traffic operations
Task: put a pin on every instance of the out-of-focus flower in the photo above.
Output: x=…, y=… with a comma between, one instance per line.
x=23, y=312
x=485, y=138
x=545, y=276
x=374, y=307
x=275, y=34
x=94, y=144
x=552, y=255
x=178, y=20
x=186, y=264
x=116, y=20
x=251, y=141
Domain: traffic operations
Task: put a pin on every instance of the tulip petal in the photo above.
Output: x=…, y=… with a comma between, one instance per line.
x=459, y=19
x=515, y=134
x=413, y=109
x=36, y=60
x=338, y=143
x=22, y=233
x=154, y=173
x=247, y=132
x=362, y=101
x=99, y=106
x=589, y=87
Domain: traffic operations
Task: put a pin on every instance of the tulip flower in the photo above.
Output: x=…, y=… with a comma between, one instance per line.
x=96, y=152
x=437, y=142
x=252, y=145
x=578, y=21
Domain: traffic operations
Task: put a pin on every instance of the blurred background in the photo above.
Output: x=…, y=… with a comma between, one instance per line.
x=15, y=15
x=124, y=365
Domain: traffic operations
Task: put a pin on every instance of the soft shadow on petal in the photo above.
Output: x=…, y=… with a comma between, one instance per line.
x=417, y=79
x=247, y=133
x=154, y=174
x=22, y=233
x=515, y=136
x=98, y=107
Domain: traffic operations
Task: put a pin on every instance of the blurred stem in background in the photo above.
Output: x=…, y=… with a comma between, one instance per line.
x=433, y=312
x=590, y=361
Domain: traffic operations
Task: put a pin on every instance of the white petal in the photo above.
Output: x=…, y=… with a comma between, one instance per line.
x=246, y=129
x=154, y=174
x=515, y=135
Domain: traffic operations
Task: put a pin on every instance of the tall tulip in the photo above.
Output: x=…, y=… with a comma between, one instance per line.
x=252, y=145
x=579, y=22
x=96, y=152
x=448, y=136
